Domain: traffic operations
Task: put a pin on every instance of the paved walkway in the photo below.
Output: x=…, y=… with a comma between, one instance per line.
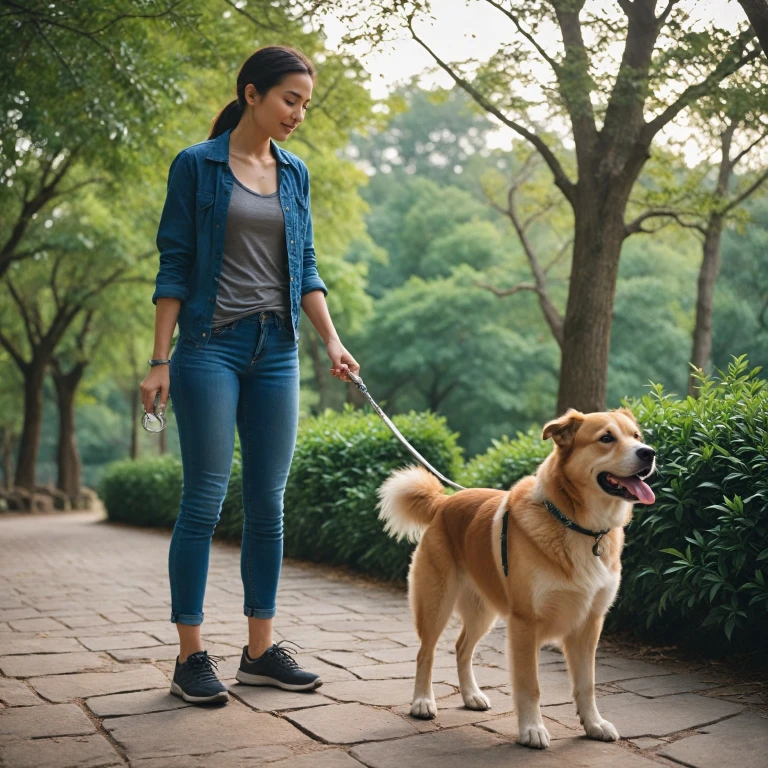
x=86, y=653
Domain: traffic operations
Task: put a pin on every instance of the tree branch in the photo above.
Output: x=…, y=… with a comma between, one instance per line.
x=562, y=181
x=635, y=225
x=727, y=66
x=746, y=193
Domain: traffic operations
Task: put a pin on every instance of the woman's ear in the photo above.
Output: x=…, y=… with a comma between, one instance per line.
x=564, y=429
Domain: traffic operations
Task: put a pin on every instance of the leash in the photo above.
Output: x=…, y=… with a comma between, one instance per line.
x=358, y=382
x=597, y=550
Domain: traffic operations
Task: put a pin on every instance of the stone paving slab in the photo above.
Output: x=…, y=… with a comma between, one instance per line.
x=14, y=693
x=135, y=703
x=50, y=664
x=60, y=688
x=351, y=723
x=634, y=716
x=68, y=752
x=200, y=730
x=44, y=720
x=111, y=608
x=741, y=741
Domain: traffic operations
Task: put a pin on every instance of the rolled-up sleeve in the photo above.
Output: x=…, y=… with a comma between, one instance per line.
x=310, y=280
x=176, y=233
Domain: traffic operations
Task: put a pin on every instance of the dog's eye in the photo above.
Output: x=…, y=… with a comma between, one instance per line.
x=607, y=438
x=637, y=435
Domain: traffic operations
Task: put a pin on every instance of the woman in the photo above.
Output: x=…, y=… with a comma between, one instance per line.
x=237, y=265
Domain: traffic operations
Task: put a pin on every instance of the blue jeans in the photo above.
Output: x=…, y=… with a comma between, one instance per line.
x=246, y=375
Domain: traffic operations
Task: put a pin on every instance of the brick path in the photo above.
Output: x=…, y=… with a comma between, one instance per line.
x=86, y=652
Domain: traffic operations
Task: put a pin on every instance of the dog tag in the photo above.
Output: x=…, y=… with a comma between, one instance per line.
x=598, y=549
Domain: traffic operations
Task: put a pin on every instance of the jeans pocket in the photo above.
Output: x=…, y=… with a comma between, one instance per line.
x=223, y=328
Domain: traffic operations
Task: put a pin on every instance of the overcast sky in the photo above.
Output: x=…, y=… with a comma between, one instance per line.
x=450, y=35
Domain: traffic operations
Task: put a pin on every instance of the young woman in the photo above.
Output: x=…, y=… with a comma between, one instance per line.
x=237, y=266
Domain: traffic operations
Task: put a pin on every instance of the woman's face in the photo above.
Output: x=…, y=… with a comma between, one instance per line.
x=283, y=107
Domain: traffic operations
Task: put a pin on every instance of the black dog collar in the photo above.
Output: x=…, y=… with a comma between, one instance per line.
x=597, y=550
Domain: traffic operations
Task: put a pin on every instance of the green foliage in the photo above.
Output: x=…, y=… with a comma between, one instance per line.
x=506, y=461
x=330, y=501
x=695, y=562
x=142, y=492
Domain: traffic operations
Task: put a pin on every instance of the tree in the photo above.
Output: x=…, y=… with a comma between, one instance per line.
x=613, y=119
x=757, y=13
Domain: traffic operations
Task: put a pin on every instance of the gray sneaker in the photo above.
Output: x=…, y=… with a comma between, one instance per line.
x=195, y=680
x=276, y=667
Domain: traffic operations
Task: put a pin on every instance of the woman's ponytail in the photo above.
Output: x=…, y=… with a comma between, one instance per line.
x=228, y=118
x=264, y=69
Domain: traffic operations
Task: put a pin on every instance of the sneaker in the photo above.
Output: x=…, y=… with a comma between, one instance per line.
x=276, y=667
x=196, y=681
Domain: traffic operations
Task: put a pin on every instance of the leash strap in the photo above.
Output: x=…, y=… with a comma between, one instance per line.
x=358, y=382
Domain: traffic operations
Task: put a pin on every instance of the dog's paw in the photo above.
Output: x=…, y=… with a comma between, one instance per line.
x=534, y=736
x=601, y=730
x=424, y=709
x=476, y=700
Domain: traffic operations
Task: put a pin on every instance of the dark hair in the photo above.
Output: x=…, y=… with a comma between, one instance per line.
x=264, y=69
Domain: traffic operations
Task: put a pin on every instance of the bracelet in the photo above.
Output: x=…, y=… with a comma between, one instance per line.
x=153, y=363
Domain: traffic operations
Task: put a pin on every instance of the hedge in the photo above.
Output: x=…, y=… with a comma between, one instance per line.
x=693, y=563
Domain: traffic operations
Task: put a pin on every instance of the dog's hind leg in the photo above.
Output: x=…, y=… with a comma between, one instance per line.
x=477, y=618
x=432, y=592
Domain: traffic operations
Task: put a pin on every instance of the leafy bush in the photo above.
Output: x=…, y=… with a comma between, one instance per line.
x=142, y=491
x=506, y=461
x=694, y=560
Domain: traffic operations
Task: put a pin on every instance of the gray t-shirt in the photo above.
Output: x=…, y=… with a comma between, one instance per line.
x=254, y=269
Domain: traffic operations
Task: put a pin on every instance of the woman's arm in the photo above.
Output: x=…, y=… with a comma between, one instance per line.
x=158, y=378
x=316, y=309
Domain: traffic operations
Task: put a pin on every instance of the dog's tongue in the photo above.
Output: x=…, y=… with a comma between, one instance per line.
x=638, y=487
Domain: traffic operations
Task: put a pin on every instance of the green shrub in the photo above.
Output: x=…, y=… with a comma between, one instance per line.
x=330, y=501
x=142, y=491
x=506, y=461
x=693, y=566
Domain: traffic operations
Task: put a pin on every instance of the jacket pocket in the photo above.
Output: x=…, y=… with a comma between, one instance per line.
x=204, y=199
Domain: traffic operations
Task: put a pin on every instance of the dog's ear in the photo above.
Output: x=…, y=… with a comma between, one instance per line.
x=627, y=413
x=564, y=429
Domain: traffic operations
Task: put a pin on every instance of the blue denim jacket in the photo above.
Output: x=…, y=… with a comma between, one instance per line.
x=190, y=237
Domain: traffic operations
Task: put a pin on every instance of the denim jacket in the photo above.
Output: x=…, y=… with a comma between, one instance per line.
x=190, y=237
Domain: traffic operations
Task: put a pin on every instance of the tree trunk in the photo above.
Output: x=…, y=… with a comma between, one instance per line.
x=8, y=457
x=757, y=13
x=599, y=233
x=68, y=457
x=710, y=266
x=29, y=444
x=321, y=373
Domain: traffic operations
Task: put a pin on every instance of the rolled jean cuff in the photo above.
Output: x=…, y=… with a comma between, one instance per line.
x=187, y=618
x=260, y=613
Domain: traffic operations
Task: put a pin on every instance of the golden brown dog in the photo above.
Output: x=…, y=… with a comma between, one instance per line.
x=557, y=588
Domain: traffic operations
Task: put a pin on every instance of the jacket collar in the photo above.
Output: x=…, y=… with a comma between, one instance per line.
x=219, y=151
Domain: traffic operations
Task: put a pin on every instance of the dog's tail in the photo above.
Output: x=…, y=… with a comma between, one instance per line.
x=408, y=500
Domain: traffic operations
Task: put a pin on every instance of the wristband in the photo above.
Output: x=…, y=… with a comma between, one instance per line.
x=153, y=363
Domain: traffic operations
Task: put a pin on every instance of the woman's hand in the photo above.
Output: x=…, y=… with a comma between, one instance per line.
x=157, y=380
x=342, y=361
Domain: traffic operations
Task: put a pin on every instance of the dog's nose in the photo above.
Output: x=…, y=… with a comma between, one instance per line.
x=645, y=453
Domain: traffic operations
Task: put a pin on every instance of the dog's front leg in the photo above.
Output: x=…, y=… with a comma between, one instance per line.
x=524, y=657
x=580, y=648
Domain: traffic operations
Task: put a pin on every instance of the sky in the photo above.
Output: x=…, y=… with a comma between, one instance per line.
x=463, y=29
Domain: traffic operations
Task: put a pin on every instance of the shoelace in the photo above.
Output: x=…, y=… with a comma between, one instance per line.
x=204, y=665
x=282, y=654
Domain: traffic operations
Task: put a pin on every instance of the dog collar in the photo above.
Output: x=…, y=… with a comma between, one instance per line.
x=598, y=549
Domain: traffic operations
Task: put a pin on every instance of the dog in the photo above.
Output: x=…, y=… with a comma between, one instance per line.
x=563, y=573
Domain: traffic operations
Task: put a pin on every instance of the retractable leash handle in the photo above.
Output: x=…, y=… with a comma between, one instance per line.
x=358, y=382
